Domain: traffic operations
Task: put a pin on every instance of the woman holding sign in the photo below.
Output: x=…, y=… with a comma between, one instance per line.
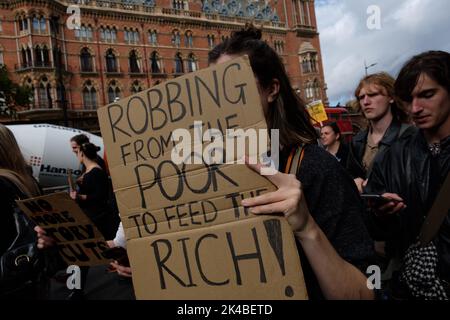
x=21, y=278
x=320, y=202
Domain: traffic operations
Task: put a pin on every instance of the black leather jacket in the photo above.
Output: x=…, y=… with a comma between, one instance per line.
x=409, y=169
x=358, y=147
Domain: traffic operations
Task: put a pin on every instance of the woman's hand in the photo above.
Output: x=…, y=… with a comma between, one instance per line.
x=121, y=270
x=44, y=241
x=73, y=194
x=288, y=199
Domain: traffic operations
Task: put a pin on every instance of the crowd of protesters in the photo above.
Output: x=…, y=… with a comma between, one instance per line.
x=349, y=206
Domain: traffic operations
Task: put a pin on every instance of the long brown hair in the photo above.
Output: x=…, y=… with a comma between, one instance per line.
x=12, y=164
x=288, y=112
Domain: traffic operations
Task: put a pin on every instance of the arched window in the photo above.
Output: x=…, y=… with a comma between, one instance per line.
x=89, y=96
x=23, y=23
x=45, y=57
x=192, y=63
x=155, y=63
x=316, y=87
x=43, y=24
x=44, y=94
x=111, y=62
x=38, y=58
x=136, y=87
x=113, y=92
x=211, y=40
x=58, y=57
x=113, y=34
x=153, y=37
x=306, y=67
x=134, y=62
x=36, y=27
x=86, y=60
x=179, y=68
x=29, y=59
x=176, y=39
x=24, y=58
x=60, y=95
x=188, y=39
x=313, y=62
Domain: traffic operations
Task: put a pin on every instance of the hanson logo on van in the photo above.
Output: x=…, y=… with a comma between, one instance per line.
x=50, y=169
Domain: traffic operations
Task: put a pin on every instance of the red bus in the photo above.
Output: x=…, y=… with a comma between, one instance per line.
x=341, y=117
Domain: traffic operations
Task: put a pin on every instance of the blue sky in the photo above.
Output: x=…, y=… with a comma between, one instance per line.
x=407, y=27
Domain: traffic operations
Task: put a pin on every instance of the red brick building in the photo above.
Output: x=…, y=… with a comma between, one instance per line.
x=124, y=46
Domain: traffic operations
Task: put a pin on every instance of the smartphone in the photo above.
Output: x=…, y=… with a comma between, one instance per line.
x=377, y=199
x=119, y=254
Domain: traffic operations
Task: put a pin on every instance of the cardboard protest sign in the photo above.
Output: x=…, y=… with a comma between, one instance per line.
x=78, y=240
x=316, y=110
x=188, y=236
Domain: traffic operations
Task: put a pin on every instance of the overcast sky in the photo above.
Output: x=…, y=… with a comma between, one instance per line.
x=408, y=27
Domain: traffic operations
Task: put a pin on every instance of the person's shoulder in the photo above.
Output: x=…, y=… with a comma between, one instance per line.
x=318, y=160
x=7, y=188
x=361, y=136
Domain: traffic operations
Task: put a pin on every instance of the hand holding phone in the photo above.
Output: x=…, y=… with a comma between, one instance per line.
x=384, y=204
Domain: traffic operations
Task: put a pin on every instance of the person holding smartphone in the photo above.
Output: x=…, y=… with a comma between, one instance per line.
x=415, y=167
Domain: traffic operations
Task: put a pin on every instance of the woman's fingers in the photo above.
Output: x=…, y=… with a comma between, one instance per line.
x=263, y=199
x=275, y=178
x=271, y=208
x=121, y=270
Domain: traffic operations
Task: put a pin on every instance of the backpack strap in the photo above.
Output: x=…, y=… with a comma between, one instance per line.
x=436, y=215
x=294, y=161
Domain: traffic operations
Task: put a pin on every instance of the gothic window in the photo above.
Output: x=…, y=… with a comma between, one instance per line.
x=29, y=58
x=89, y=96
x=179, y=5
x=316, y=89
x=38, y=58
x=176, y=39
x=192, y=63
x=153, y=37
x=134, y=62
x=43, y=24
x=36, y=24
x=111, y=61
x=188, y=39
x=60, y=94
x=45, y=56
x=113, y=92
x=44, y=94
x=211, y=40
x=86, y=60
x=179, y=68
x=24, y=57
x=155, y=64
x=136, y=87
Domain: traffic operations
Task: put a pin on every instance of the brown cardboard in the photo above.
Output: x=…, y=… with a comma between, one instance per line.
x=183, y=221
x=78, y=240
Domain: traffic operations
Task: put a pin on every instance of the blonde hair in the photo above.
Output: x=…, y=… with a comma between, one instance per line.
x=12, y=164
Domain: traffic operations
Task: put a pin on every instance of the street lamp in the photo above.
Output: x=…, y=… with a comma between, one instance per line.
x=368, y=67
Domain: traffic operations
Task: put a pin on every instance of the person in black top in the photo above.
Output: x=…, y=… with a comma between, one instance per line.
x=94, y=191
x=324, y=209
x=416, y=166
x=331, y=139
x=388, y=120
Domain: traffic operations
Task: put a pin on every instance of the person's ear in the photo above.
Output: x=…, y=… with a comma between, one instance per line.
x=273, y=90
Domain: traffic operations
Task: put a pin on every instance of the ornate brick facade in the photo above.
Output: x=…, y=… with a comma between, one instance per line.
x=124, y=46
